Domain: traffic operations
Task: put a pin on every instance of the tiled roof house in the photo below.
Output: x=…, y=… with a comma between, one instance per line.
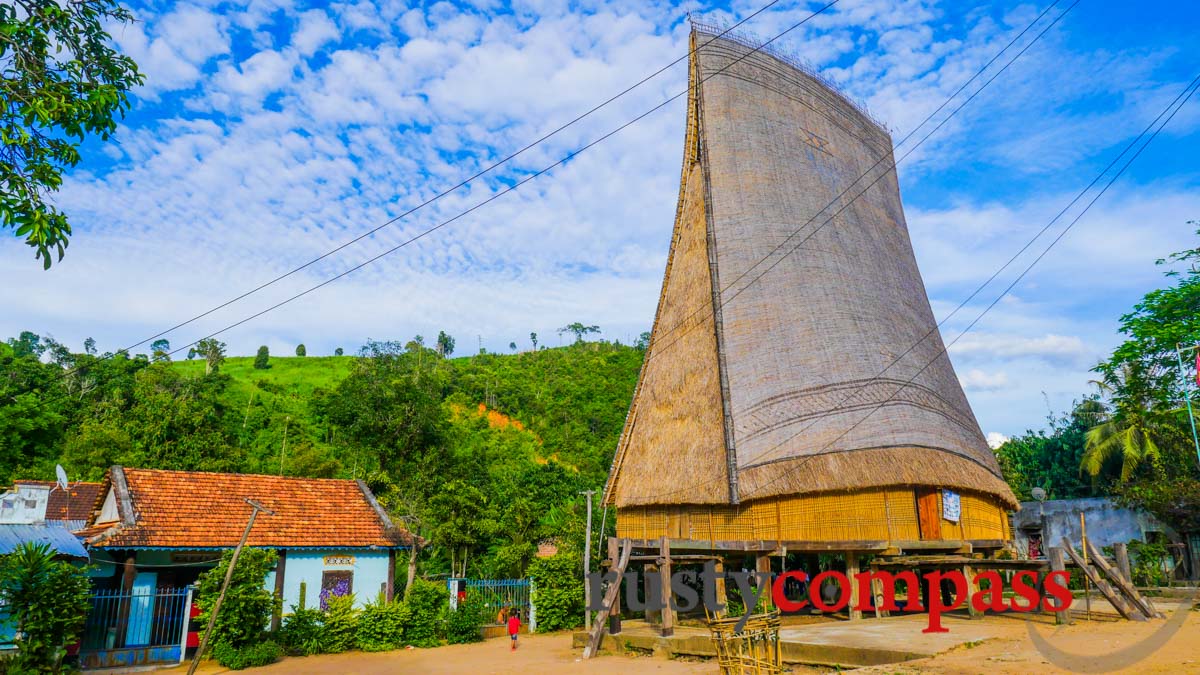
x=157, y=528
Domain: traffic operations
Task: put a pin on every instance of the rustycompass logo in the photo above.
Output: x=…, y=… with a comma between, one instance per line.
x=985, y=591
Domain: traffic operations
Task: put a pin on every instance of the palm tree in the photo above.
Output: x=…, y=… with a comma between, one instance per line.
x=1131, y=433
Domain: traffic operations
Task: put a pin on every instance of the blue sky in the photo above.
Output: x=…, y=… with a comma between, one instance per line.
x=270, y=132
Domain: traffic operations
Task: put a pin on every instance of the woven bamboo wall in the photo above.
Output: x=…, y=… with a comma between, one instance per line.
x=884, y=514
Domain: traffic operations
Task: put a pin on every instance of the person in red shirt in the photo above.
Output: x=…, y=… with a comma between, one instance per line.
x=514, y=627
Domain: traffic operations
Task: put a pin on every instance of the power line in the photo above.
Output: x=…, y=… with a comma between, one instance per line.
x=1169, y=114
x=451, y=189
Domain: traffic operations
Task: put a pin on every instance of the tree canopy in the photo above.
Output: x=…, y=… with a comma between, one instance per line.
x=61, y=80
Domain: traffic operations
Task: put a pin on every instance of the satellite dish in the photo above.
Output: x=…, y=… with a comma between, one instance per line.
x=62, y=477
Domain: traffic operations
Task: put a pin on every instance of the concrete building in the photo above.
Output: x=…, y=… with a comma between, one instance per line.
x=1039, y=525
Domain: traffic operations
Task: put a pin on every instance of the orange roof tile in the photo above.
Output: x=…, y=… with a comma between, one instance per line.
x=188, y=509
x=74, y=504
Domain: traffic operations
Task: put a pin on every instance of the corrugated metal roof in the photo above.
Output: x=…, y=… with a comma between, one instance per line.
x=59, y=538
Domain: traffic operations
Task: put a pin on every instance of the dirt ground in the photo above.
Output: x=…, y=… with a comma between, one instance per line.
x=1104, y=645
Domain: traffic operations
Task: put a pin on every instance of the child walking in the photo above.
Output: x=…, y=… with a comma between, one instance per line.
x=514, y=627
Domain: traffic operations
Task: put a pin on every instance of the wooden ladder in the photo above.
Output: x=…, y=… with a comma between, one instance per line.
x=610, y=599
x=1124, y=597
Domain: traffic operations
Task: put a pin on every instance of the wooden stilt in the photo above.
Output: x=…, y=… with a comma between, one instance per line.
x=614, y=553
x=762, y=565
x=720, y=584
x=664, y=571
x=972, y=588
x=1058, y=563
x=851, y=572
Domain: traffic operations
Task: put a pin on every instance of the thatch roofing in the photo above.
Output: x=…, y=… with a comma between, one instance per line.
x=776, y=389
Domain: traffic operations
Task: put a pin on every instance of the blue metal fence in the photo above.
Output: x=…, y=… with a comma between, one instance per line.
x=500, y=594
x=140, y=626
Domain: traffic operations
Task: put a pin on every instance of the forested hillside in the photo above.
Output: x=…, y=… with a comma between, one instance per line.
x=484, y=454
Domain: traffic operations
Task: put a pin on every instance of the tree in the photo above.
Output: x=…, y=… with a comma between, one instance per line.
x=512, y=347
x=643, y=341
x=533, y=339
x=160, y=350
x=62, y=81
x=213, y=351
x=48, y=600
x=300, y=350
x=339, y=351
x=247, y=606
x=578, y=330
x=262, y=358
x=445, y=344
x=89, y=346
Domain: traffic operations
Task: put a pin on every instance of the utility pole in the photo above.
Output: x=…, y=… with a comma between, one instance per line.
x=283, y=451
x=212, y=619
x=587, y=563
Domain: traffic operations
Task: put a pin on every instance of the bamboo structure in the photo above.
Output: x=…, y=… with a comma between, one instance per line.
x=761, y=420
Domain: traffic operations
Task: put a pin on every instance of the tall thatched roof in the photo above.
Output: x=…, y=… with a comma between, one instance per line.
x=760, y=384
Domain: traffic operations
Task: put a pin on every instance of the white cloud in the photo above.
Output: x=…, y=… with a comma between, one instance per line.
x=977, y=380
x=1062, y=348
x=996, y=439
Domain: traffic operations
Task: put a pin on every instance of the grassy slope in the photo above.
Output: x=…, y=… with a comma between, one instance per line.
x=573, y=398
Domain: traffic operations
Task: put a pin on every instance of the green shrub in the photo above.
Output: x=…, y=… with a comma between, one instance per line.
x=48, y=600
x=247, y=656
x=463, y=624
x=426, y=603
x=247, y=606
x=381, y=626
x=303, y=633
x=1147, y=563
x=557, y=592
x=341, y=623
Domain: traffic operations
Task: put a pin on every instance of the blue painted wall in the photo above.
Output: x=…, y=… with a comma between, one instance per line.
x=370, y=569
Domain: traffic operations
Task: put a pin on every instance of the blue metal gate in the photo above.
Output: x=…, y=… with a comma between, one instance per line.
x=144, y=626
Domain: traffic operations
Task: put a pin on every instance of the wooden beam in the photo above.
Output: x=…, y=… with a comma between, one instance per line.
x=1058, y=564
x=610, y=597
x=664, y=571
x=1113, y=597
x=1127, y=589
x=719, y=584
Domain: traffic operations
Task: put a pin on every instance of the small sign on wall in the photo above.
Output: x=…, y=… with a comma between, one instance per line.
x=951, y=506
x=339, y=561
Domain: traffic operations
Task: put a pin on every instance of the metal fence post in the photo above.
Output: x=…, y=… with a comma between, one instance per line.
x=186, y=615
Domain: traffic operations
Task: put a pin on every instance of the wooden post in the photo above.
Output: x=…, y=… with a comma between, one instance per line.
x=1087, y=588
x=587, y=563
x=851, y=571
x=972, y=588
x=614, y=615
x=280, y=566
x=1122, y=554
x=719, y=583
x=762, y=565
x=664, y=571
x=610, y=600
x=212, y=618
x=1058, y=563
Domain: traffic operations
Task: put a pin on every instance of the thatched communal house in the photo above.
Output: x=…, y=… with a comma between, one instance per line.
x=783, y=403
